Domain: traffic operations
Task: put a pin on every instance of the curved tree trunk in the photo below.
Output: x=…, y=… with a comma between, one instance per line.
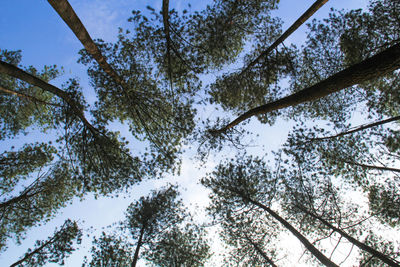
x=370, y=68
x=354, y=241
x=314, y=8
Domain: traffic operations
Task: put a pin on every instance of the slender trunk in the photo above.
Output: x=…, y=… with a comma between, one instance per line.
x=309, y=246
x=381, y=168
x=314, y=8
x=370, y=68
x=165, y=14
x=22, y=95
x=165, y=7
x=67, y=13
x=260, y=251
x=139, y=244
x=29, y=255
x=29, y=78
x=354, y=241
x=360, y=128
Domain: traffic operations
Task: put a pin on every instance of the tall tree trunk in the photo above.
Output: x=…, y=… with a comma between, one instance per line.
x=370, y=68
x=309, y=246
x=67, y=13
x=314, y=8
x=139, y=244
x=357, y=129
x=29, y=78
x=354, y=241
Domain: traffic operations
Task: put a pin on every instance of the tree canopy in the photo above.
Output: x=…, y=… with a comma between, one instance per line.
x=331, y=189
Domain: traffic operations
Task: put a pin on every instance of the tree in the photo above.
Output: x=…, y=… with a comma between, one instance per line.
x=109, y=250
x=55, y=249
x=179, y=246
x=31, y=107
x=37, y=202
x=320, y=201
x=384, y=200
x=87, y=158
x=333, y=46
x=150, y=216
x=374, y=67
x=250, y=239
x=244, y=185
x=161, y=227
x=151, y=79
x=314, y=8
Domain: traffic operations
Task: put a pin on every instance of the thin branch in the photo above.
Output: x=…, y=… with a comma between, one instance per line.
x=359, y=128
x=32, y=98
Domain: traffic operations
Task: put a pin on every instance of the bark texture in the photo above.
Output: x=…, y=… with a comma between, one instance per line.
x=370, y=68
x=67, y=13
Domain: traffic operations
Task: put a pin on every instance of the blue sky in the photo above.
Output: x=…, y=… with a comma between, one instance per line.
x=36, y=29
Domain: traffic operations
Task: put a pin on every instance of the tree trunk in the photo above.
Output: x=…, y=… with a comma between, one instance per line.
x=354, y=241
x=67, y=13
x=310, y=247
x=357, y=129
x=314, y=8
x=139, y=244
x=32, y=98
x=29, y=78
x=17, y=199
x=370, y=68
x=29, y=255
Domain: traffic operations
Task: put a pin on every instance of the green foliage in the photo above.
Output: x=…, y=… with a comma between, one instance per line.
x=109, y=251
x=55, y=249
x=19, y=113
x=385, y=202
x=37, y=202
x=239, y=92
x=154, y=213
x=248, y=232
x=161, y=228
x=386, y=247
x=162, y=60
x=151, y=112
x=343, y=39
x=15, y=165
x=179, y=246
x=222, y=29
